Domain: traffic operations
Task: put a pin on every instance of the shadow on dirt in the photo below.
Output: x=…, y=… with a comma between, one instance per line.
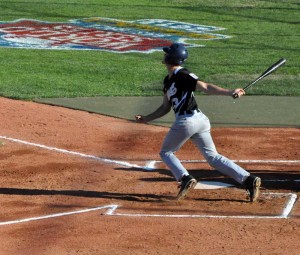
x=271, y=179
x=85, y=193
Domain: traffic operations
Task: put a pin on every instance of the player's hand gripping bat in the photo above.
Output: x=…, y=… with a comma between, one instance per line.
x=270, y=70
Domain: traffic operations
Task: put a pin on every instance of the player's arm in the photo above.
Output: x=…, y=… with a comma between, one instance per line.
x=162, y=110
x=212, y=89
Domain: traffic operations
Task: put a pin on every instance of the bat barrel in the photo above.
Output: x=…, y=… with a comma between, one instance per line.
x=270, y=70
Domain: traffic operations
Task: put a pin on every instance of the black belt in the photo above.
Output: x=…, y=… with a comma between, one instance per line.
x=188, y=112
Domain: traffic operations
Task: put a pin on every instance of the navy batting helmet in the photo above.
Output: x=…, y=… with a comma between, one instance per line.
x=176, y=54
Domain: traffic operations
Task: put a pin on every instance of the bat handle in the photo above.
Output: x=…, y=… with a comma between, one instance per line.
x=235, y=95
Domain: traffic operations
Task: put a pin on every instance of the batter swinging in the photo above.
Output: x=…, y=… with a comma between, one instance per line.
x=191, y=123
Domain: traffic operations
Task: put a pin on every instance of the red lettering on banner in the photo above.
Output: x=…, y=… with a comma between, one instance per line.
x=61, y=34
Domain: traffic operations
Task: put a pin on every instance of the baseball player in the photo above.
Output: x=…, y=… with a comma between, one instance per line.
x=191, y=123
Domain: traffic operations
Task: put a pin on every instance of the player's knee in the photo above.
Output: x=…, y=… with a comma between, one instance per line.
x=164, y=154
x=213, y=160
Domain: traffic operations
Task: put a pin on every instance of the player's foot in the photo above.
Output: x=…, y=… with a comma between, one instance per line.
x=188, y=182
x=252, y=184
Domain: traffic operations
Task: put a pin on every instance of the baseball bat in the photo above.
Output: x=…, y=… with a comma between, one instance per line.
x=270, y=70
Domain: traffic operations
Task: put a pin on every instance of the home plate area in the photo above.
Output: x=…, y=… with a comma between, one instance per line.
x=212, y=185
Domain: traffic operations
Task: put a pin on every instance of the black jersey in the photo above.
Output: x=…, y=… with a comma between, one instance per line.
x=180, y=90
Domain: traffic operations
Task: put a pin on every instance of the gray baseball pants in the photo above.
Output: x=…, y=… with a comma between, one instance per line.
x=197, y=128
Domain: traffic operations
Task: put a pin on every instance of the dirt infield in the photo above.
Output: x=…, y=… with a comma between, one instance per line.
x=73, y=182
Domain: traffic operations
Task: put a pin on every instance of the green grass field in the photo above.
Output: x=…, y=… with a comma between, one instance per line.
x=262, y=32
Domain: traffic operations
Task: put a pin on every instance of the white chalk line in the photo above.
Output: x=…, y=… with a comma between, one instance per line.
x=150, y=165
x=248, y=161
x=111, y=211
x=110, y=161
x=57, y=215
x=285, y=213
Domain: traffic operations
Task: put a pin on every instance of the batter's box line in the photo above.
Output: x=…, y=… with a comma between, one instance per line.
x=69, y=152
x=111, y=211
x=149, y=166
x=284, y=215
